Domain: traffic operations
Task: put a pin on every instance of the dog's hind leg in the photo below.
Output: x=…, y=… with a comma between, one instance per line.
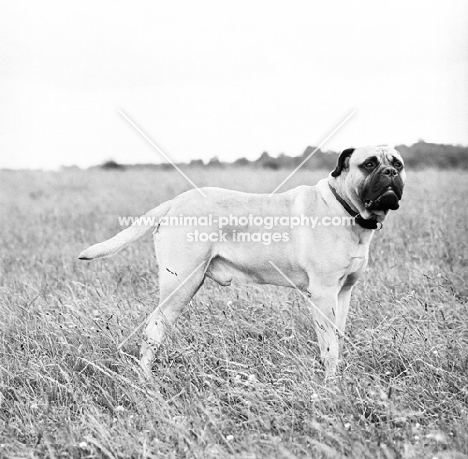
x=180, y=277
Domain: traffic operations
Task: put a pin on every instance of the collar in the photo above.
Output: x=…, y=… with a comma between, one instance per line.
x=368, y=224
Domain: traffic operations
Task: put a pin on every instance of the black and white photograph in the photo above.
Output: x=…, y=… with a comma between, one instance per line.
x=234, y=229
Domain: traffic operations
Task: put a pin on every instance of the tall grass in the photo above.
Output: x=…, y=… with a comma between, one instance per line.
x=239, y=375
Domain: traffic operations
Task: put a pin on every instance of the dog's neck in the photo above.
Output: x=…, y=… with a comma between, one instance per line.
x=370, y=224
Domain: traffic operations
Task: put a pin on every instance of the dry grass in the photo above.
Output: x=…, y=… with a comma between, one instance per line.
x=239, y=376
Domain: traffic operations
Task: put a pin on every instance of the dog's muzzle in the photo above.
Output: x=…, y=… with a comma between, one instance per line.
x=383, y=189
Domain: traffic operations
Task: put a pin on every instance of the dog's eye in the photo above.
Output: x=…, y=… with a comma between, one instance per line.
x=397, y=164
x=369, y=164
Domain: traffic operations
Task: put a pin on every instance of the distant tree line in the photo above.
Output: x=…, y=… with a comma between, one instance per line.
x=420, y=155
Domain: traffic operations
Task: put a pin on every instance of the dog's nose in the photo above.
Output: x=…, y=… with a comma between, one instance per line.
x=390, y=171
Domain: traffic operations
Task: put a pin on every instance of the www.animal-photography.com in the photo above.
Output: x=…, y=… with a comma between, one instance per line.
x=234, y=230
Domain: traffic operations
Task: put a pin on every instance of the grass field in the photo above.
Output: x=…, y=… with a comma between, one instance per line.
x=239, y=375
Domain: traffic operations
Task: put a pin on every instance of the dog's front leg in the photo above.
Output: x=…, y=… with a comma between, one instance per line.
x=344, y=298
x=324, y=310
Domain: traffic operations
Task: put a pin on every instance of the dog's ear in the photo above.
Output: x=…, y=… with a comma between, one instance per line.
x=343, y=161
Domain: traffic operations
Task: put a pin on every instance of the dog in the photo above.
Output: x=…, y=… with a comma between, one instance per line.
x=324, y=261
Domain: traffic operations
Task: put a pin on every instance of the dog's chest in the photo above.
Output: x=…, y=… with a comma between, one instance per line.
x=356, y=264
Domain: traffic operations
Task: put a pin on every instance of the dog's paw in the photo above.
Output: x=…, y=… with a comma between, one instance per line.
x=145, y=371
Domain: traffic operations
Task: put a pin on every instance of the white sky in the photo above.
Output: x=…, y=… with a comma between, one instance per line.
x=226, y=79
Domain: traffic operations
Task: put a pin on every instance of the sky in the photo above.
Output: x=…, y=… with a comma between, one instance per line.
x=226, y=79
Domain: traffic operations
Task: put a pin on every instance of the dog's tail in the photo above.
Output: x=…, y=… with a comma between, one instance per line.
x=129, y=235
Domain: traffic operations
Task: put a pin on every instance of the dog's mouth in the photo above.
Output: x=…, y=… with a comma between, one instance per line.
x=388, y=200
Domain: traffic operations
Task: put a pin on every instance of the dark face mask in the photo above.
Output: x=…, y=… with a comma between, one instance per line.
x=383, y=189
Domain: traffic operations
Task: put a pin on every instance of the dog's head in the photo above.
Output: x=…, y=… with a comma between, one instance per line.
x=373, y=179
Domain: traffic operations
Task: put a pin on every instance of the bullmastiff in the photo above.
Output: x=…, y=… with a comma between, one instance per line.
x=313, y=238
